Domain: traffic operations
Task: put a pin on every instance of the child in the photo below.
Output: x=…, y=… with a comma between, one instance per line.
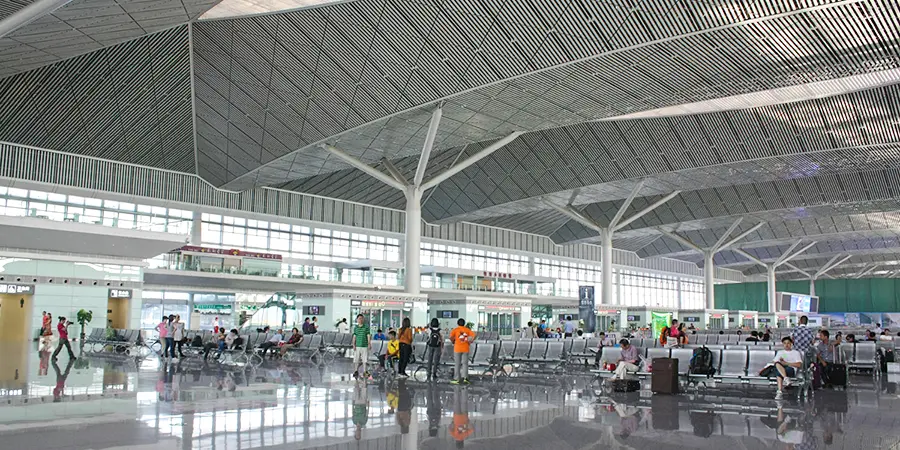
x=461, y=336
x=393, y=349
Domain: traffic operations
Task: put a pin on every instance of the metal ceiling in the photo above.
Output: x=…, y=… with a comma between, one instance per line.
x=792, y=132
x=84, y=26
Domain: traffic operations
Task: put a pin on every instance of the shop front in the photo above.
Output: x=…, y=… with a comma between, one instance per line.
x=380, y=310
x=492, y=314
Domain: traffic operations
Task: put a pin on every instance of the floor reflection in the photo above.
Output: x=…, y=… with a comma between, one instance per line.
x=190, y=405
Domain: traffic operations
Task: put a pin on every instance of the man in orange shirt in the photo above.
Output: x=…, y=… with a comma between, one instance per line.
x=461, y=428
x=461, y=336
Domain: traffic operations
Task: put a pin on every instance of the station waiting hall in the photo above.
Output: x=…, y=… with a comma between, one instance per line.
x=446, y=224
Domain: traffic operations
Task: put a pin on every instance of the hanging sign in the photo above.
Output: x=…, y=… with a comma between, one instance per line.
x=586, y=308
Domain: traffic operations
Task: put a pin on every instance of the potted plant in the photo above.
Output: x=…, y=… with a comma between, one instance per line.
x=83, y=318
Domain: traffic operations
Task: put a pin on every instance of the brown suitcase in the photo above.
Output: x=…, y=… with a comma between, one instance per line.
x=664, y=377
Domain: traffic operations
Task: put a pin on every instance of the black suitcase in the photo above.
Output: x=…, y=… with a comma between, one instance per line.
x=836, y=375
x=626, y=385
x=664, y=377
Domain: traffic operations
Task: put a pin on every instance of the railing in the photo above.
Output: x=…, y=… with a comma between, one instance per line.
x=352, y=276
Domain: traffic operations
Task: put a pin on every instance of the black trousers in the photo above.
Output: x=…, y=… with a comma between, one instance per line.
x=405, y=353
x=68, y=345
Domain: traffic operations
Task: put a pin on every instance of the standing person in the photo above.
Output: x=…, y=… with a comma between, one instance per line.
x=170, y=335
x=315, y=326
x=461, y=336
x=343, y=327
x=405, y=337
x=434, y=348
x=362, y=340
x=360, y=409
x=63, y=330
x=569, y=327
x=46, y=330
x=178, y=335
x=163, y=329
x=802, y=336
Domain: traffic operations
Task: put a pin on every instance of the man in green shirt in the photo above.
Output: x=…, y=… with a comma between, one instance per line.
x=360, y=409
x=361, y=340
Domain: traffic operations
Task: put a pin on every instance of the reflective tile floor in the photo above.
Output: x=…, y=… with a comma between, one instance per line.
x=104, y=403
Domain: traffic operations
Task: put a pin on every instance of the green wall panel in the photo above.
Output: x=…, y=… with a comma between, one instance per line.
x=862, y=295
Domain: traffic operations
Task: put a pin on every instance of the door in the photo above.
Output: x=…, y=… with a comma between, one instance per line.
x=748, y=323
x=603, y=323
x=15, y=317
x=716, y=323
x=117, y=313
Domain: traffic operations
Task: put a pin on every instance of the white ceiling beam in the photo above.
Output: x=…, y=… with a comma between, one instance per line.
x=375, y=173
x=429, y=144
x=577, y=216
x=831, y=265
x=750, y=257
x=29, y=14
x=797, y=269
x=865, y=272
x=728, y=232
x=787, y=252
x=621, y=212
x=739, y=237
x=787, y=257
x=484, y=153
x=681, y=240
x=394, y=171
x=641, y=213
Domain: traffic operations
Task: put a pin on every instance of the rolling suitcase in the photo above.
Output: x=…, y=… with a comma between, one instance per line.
x=836, y=375
x=664, y=377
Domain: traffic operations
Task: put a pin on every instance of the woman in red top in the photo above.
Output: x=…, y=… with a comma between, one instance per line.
x=61, y=328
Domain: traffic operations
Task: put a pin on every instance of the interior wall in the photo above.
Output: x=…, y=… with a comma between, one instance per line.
x=839, y=295
x=117, y=312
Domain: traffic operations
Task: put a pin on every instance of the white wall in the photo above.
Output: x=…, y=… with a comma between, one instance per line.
x=66, y=300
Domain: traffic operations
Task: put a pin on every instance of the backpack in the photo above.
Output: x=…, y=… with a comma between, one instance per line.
x=701, y=362
x=434, y=340
x=197, y=342
x=664, y=335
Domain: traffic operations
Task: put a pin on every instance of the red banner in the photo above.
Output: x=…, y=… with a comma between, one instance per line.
x=497, y=275
x=229, y=252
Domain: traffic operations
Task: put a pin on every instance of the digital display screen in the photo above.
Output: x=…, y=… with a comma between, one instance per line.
x=313, y=310
x=799, y=303
x=691, y=319
x=449, y=314
x=633, y=318
x=763, y=320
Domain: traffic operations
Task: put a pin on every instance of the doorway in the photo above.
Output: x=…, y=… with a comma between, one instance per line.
x=503, y=323
x=716, y=323
x=382, y=319
x=117, y=313
x=749, y=323
x=15, y=316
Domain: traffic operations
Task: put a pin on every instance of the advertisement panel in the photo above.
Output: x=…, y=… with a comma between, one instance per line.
x=586, y=308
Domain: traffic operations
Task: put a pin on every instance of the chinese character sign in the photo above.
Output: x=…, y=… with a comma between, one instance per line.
x=586, y=308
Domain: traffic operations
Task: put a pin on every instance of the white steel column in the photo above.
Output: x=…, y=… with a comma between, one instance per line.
x=812, y=286
x=413, y=270
x=413, y=192
x=606, y=278
x=709, y=281
x=197, y=228
x=770, y=287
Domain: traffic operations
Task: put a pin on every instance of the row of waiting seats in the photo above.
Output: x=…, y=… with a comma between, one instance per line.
x=122, y=341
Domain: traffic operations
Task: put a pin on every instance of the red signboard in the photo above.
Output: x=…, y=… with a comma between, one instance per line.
x=715, y=316
x=229, y=252
x=607, y=311
x=497, y=275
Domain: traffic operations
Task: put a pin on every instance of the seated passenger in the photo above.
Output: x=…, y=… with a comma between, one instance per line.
x=217, y=342
x=295, y=339
x=754, y=337
x=379, y=336
x=784, y=365
x=628, y=361
x=393, y=350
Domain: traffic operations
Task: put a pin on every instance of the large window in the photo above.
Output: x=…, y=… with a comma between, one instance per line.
x=110, y=213
x=296, y=241
x=440, y=255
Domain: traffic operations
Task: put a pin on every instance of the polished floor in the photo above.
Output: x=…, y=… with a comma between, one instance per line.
x=106, y=403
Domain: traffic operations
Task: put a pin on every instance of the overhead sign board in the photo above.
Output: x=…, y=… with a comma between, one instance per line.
x=120, y=293
x=7, y=288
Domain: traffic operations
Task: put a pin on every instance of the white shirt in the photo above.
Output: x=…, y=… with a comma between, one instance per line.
x=343, y=328
x=229, y=339
x=276, y=338
x=790, y=356
x=179, y=331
